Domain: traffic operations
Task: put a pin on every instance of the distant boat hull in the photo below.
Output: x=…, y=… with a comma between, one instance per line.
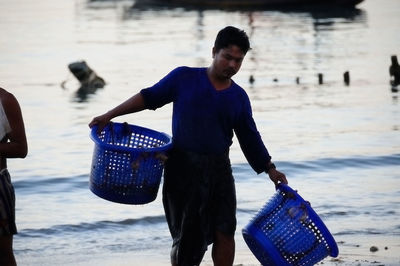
x=259, y=3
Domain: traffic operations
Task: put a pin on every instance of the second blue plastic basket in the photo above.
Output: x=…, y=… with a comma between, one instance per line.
x=287, y=231
x=127, y=163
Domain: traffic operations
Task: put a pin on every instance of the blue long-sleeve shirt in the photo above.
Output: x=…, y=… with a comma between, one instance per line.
x=204, y=118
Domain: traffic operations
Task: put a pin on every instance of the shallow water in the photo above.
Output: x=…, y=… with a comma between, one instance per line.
x=339, y=145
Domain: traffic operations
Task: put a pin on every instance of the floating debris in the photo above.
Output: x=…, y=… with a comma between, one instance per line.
x=86, y=76
x=89, y=80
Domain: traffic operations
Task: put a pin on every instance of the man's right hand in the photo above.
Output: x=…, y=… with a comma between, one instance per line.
x=101, y=121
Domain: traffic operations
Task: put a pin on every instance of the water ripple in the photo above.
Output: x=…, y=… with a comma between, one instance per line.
x=368, y=231
x=51, y=184
x=327, y=164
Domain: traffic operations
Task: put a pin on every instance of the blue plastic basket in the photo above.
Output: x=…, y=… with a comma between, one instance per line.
x=127, y=163
x=287, y=231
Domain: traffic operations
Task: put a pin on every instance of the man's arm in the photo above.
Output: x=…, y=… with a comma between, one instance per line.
x=132, y=105
x=16, y=146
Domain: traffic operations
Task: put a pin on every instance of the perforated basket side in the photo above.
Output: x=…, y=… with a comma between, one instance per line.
x=286, y=231
x=126, y=166
x=313, y=223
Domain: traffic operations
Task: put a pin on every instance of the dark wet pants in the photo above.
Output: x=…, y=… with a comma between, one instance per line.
x=199, y=199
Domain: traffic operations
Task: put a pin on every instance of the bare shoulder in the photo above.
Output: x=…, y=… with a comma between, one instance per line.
x=8, y=100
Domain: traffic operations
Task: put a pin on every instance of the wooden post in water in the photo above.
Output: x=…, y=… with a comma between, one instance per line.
x=320, y=78
x=251, y=79
x=346, y=77
x=394, y=71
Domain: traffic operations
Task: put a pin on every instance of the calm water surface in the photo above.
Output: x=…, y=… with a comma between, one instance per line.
x=339, y=145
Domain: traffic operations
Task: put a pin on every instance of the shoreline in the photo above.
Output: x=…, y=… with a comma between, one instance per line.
x=122, y=259
x=349, y=254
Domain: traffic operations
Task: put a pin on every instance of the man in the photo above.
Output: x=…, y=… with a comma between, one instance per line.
x=12, y=145
x=208, y=107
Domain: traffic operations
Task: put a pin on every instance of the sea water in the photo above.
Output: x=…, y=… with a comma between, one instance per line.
x=338, y=144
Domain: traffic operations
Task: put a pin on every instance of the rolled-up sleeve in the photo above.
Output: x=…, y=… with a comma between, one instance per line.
x=163, y=92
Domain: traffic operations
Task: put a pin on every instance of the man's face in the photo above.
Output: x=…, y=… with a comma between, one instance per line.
x=227, y=61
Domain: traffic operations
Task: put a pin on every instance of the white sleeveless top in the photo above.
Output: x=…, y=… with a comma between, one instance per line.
x=4, y=125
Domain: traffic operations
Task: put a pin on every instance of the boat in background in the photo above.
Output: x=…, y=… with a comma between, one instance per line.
x=254, y=3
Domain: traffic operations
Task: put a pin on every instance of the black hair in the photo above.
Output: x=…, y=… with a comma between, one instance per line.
x=232, y=36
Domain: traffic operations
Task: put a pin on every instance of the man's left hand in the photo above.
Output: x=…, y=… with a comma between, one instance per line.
x=277, y=177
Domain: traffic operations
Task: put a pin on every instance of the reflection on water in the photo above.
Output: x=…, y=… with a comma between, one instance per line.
x=83, y=93
x=287, y=43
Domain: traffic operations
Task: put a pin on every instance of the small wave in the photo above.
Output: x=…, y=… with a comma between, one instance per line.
x=359, y=232
x=241, y=170
x=51, y=185
x=371, y=231
x=251, y=211
x=338, y=213
x=86, y=227
x=65, y=184
x=324, y=164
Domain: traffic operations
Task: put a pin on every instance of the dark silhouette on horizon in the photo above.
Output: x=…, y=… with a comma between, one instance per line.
x=394, y=71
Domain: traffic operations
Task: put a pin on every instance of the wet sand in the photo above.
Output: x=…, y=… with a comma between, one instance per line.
x=357, y=255
x=240, y=260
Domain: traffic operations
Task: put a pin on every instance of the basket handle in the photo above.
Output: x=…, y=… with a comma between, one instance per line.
x=127, y=130
x=110, y=126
